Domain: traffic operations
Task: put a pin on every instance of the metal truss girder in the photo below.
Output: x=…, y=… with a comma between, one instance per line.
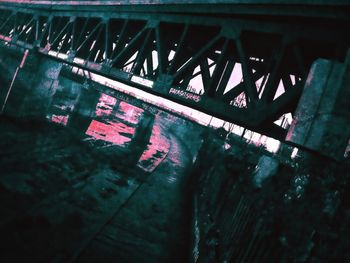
x=121, y=46
x=316, y=32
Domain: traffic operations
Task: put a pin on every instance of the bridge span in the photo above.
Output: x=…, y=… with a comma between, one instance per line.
x=190, y=53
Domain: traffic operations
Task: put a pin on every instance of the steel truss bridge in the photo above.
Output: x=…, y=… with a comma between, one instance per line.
x=161, y=46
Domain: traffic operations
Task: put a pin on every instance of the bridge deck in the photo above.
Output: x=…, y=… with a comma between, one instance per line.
x=304, y=8
x=211, y=2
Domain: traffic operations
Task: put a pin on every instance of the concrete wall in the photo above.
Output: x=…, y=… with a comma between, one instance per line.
x=34, y=83
x=322, y=119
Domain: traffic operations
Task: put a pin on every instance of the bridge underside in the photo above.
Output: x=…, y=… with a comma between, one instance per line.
x=115, y=178
x=244, y=68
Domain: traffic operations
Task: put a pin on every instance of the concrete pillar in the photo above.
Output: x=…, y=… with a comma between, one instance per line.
x=84, y=109
x=322, y=118
x=285, y=151
x=141, y=138
x=43, y=89
x=267, y=166
x=33, y=87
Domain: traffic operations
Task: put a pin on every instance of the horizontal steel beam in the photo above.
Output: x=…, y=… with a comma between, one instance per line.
x=297, y=8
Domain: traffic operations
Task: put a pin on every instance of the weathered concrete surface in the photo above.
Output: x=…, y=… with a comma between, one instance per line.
x=34, y=84
x=322, y=119
x=164, y=239
x=68, y=190
x=37, y=102
x=10, y=60
x=298, y=215
x=266, y=167
x=63, y=201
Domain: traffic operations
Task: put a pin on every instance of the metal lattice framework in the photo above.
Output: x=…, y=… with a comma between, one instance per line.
x=190, y=59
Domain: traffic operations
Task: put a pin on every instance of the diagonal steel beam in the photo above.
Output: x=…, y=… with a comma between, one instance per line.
x=130, y=49
x=205, y=72
x=162, y=58
x=77, y=38
x=225, y=78
x=7, y=20
x=283, y=104
x=142, y=53
x=89, y=35
x=179, y=49
x=238, y=89
x=149, y=60
x=274, y=78
x=219, y=68
x=121, y=41
x=193, y=62
x=107, y=39
x=251, y=91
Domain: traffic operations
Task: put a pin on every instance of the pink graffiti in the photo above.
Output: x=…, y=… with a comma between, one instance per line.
x=105, y=105
x=129, y=113
x=110, y=132
x=156, y=150
x=60, y=119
